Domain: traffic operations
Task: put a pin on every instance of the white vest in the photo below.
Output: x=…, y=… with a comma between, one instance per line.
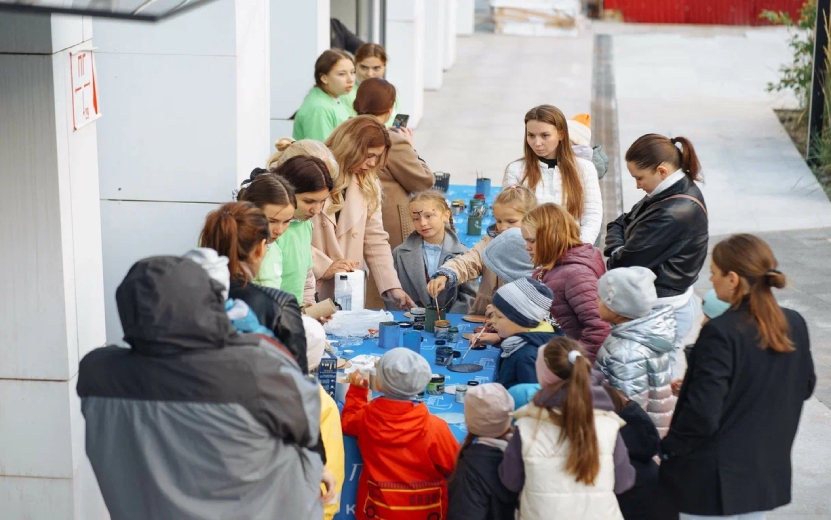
x=551, y=492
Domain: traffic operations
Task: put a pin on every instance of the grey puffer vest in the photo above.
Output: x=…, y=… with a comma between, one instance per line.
x=635, y=359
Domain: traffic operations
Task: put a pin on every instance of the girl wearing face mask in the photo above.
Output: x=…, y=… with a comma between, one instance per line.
x=555, y=174
x=667, y=231
x=240, y=231
x=323, y=110
x=371, y=62
x=350, y=230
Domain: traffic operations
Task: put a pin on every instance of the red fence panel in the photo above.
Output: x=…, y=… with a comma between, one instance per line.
x=710, y=12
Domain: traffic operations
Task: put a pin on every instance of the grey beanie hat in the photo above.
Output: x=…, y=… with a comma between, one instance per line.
x=402, y=374
x=628, y=291
x=506, y=256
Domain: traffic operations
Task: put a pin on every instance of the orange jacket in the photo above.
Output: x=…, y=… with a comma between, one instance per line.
x=408, y=455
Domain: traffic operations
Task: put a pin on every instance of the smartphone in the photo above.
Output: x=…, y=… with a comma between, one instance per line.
x=400, y=121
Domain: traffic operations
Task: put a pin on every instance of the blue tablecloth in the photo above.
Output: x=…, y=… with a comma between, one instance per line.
x=445, y=403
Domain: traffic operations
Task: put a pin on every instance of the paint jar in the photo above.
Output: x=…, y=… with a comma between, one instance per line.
x=442, y=329
x=444, y=355
x=456, y=209
x=436, y=385
x=430, y=317
x=474, y=226
x=453, y=334
x=461, y=391
x=483, y=186
x=417, y=315
x=388, y=334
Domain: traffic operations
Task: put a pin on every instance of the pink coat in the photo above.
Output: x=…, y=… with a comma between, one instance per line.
x=574, y=283
x=356, y=235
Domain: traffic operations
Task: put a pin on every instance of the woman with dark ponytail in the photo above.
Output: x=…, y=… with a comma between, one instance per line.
x=667, y=231
x=566, y=457
x=728, y=450
x=240, y=231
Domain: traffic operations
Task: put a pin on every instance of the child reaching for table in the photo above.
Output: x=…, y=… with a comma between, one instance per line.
x=509, y=208
x=433, y=243
x=408, y=453
x=518, y=307
x=476, y=493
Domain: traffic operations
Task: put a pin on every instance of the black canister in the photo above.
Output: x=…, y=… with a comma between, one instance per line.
x=444, y=355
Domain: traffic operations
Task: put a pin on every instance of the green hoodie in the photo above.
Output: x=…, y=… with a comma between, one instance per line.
x=318, y=116
x=296, y=246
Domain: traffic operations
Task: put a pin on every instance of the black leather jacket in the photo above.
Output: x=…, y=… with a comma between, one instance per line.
x=667, y=236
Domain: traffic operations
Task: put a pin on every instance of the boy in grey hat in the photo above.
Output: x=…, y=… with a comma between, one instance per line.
x=408, y=453
x=635, y=356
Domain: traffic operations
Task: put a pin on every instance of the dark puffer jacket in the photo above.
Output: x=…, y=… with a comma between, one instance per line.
x=279, y=311
x=475, y=491
x=667, y=236
x=574, y=283
x=195, y=421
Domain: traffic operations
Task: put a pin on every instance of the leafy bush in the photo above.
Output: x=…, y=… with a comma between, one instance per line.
x=796, y=77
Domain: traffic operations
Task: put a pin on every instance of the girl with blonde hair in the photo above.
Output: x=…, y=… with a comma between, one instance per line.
x=571, y=270
x=433, y=242
x=350, y=226
x=551, y=170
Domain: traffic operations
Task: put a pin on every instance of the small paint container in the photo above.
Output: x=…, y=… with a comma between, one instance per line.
x=461, y=391
x=442, y=329
x=444, y=355
x=417, y=315
x=453, y=334
x=436, y=385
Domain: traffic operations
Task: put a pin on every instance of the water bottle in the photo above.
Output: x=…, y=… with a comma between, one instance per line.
x=343, y=293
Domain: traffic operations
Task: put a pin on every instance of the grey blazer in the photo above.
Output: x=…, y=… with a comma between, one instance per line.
x=408, y=259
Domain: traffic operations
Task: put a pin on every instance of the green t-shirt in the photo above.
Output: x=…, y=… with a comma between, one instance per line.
x=271, y=270
x=296, y=246
x=348, y=99
x=318, y=116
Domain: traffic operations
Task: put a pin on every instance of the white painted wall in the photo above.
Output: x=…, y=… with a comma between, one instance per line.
x=299, y=34
x=405, y=48
x=186, y=118
x=434, y=39
x=52, y=311
x=465, y=17
x=450, y=34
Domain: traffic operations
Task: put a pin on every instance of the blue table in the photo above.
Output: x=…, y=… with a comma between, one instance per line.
x=445, y=403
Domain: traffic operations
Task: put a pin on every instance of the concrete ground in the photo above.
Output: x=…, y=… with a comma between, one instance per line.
x=707, y=83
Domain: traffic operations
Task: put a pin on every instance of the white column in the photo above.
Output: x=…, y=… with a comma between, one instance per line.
x=52, y=310
x=405, y=48
x=465, y=17
x=186, y=118
x=299, y=34
x=434, y=28
x=450, y=34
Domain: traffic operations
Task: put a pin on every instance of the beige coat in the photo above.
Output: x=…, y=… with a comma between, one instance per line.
x=470, y=266
x=355, y=235
x=404, y=174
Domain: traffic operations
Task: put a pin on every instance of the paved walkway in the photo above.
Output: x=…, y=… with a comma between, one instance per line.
x=703, y=82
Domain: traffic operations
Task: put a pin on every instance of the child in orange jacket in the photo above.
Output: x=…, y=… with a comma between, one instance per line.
x=408, y=453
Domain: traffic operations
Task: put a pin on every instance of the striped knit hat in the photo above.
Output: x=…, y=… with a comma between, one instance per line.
x=525, y=301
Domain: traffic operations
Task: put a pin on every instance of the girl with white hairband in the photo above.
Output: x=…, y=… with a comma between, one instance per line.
x=566, y=457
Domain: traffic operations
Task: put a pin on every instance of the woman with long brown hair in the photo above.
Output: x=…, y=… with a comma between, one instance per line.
x=571, y=270
x=728, y=450
x=240, y=231
x=566, y=456
x=550, y=169
x=667, y=231
x=350, y=226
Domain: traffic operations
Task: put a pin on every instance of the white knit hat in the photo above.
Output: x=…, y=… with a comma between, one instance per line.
x=628, y=291
x=578, y=130
x=315, y=341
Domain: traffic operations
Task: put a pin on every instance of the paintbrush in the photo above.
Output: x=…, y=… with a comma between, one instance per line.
x=475, y=341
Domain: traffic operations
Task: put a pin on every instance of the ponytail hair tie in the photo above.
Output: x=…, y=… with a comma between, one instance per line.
x=673, y=140
x=573, y=355
x=772, y=272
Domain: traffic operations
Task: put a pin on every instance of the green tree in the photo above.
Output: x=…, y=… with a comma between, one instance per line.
x=796, y=76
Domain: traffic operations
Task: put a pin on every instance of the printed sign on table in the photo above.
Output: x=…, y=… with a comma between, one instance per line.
x=84, y=89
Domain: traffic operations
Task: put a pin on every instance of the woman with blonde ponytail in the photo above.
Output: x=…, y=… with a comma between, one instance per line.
x=566, y=457
x=728, y=450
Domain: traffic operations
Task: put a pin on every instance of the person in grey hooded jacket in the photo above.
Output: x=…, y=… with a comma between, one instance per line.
x=635, y=357
x=195, y=421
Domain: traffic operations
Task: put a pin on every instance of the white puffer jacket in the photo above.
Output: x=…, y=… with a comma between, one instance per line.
x=635, y=359
x=550, y=189
x=550, y=491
